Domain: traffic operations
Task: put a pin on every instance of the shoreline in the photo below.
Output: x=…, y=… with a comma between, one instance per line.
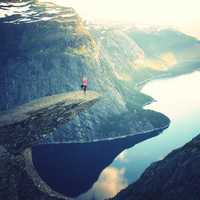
x=141, y=84
x=110, y=138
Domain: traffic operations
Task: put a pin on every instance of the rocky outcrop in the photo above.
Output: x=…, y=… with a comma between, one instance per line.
x=175, y=177
x=16, y=179
x=46, y=49
x=25, y=126
x=52, y=160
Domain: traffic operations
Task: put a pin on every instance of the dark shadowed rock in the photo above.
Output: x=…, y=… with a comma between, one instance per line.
x=46, y=49
x=176, y=177
x=16, y=179
x=25, y=125
x=22, y=127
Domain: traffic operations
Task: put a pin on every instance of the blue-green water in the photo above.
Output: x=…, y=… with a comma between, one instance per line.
x=179, y=99
x=100, y=170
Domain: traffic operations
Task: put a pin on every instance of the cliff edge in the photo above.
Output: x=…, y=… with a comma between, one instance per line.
x=23, y=127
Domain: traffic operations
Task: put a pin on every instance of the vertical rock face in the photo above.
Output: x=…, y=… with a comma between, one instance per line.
x=16, y=179
x=45, y=49
x=23, y=127
x=175, y=177
x=37, y=50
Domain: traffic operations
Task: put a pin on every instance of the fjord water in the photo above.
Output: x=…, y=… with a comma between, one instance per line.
x=179, y=99
x=87, y=171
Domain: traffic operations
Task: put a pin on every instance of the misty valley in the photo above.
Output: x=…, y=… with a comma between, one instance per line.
x=96, y=109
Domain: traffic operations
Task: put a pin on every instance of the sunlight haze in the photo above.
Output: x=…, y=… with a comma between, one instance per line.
x=181, y=14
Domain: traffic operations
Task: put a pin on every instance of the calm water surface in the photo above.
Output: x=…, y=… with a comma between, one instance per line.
x=100, y=170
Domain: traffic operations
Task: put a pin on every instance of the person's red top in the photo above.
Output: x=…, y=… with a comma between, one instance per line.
x=85, y=82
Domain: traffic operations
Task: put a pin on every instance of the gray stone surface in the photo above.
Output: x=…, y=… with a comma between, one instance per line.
x=22, y=127
x=25, y=125
x=46, y=49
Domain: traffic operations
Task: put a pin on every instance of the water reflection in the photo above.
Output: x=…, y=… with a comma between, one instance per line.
x=110, y=182
x=179, y=99
x=72, y=169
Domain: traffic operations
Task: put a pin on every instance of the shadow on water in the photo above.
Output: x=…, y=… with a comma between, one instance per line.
x=72, y=169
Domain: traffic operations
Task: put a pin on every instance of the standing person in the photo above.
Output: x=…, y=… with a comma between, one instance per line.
x=84, y=84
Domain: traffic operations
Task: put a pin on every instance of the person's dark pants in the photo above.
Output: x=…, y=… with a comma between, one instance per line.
x=84, y=87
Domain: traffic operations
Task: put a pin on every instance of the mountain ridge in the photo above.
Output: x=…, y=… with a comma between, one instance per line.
x=174, y=177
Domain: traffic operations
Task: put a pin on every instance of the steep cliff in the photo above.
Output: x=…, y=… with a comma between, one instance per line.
x=146, y=51
x=27, y=124
x=22, y=128
x=46, y=49
x=175, y=177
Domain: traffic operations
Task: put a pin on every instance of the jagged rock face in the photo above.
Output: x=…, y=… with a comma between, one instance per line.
x=45, y=50
x=25, y=125
x=40, y=29
x=175, y=177
x=146, y=50
x=22, y=128
x=16, y=179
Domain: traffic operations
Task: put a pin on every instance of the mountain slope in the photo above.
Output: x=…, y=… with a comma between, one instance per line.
x=46, y=49
x=146, y=53
x=166, y=48
x=175, y=177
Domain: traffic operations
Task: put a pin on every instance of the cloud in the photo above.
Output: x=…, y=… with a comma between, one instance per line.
x=109, y=184
x=121, y=157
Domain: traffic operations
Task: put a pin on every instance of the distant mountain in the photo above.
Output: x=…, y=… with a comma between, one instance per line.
x=166, y=47
x=161, y=41
x=175, y=177
x=157, y=49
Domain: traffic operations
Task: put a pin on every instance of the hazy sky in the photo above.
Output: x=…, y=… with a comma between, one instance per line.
x=182, y=14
